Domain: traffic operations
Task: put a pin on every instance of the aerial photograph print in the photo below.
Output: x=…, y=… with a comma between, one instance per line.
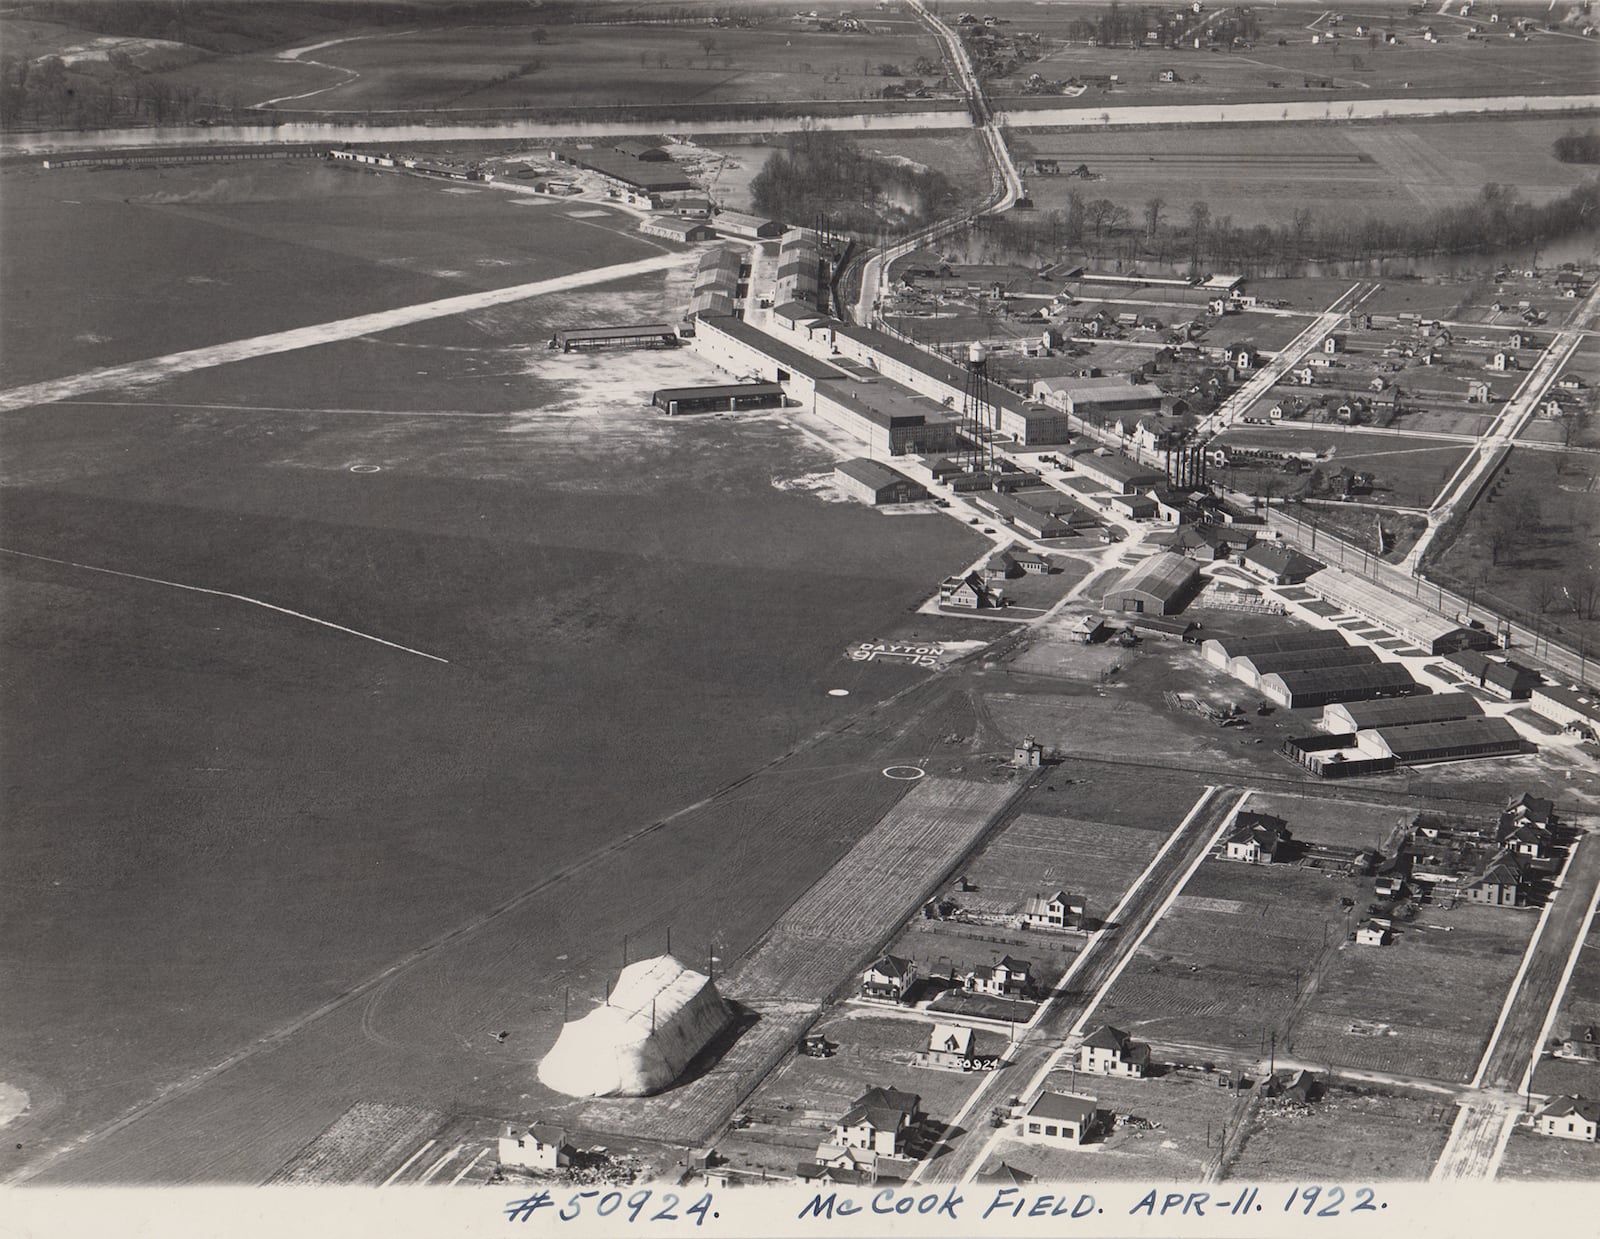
x=719, y=617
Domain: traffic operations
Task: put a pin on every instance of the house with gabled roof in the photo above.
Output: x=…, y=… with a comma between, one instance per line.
x=1582, y=1041
x=1007, y=1175
x=1059, y=1118
x=534, y=1146
x=1278, y=564
x=966, y=593
x=951, y=1045
x=880, y=1119
x=1375, y=932
x=1056, y=910
x=840, y=1164
x=1524, y=837
x=1010, y=978
x=1015, y=561
x=1537, y=809
x=889, y=978
x=1498, y=883
x=1109, y=1051
x=1256, y=838
x=1569, y=1118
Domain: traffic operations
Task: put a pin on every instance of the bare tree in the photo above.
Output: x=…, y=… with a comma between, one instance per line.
x=1152, y=214
x=1544, y=592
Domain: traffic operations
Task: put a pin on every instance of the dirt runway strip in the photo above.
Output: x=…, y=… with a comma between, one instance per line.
x=154, y=369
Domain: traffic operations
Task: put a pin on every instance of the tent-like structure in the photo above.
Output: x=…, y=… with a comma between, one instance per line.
x=659, y=1016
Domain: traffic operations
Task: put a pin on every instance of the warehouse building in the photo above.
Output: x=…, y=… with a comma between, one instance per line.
x=1575, y=709
x=1428, y=630
x=1346, y=717
x=726, y=397
x=1036, y=522
x=1220, y=651
x=1446, y=740
x=1117, y=474
x=636, y=176
x=674, y=228
x=1107, y=397
x=1160, y=585
x=1322, y=686
x=800, y=270
x=751, y=227
x=876, y=484
x=1507, y=680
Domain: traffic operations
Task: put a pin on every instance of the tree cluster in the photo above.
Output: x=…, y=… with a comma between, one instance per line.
x=821, y=173
x=1575, y=147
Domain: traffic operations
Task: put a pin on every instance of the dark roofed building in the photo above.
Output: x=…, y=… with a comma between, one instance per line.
x=1321, y=686
x=730, y=397
x=1449, y=740
x=1162, y=584
x=1059, y=1118
x=877, y=484
x=1349, y=716
x=1278, y=564
x=1507, y=680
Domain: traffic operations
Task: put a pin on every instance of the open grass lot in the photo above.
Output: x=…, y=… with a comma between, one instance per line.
x=1190, y=1108
x=1265, y=173
x=794, y=1109
x=1357, y=525
x=1424, y=1005
x=1530, y=1156
x=1352, y=1135
x=1580, y=1006
x=109, y=266
x=1220, y=969
x=285, y=808
x=1284, y=56
x=599, y=65
x=1408, y=471
x=1344, y=823
x=1559, y=549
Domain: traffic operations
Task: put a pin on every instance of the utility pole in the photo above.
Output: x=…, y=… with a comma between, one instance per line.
x=1272, y=1062
x=624, y=950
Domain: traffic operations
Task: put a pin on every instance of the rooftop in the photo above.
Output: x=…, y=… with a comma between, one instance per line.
x=1063, y=1106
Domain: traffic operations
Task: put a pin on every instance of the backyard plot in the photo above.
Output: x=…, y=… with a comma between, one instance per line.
x=365, y=1136
x=1344, y=823
x=1404, y=470
x=1351, y=1134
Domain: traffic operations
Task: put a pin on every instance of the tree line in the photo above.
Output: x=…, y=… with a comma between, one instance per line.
x=1575, y=147
x=1497, y=218
x=821, y=173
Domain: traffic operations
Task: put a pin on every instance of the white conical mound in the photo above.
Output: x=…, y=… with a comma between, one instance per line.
x=659, y=1016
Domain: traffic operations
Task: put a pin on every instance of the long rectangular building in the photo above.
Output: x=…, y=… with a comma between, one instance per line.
x=1162, y=584
x=1575, y=709
x=1345, y=717
x=1428, y=630
x=1252, y=669
x=1326, y=685
x=1118, y=474
x=1220, y=651
x=1446, y=740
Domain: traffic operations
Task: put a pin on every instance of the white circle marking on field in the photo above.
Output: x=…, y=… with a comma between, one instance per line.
x=838, y=692
x=907, y=774
x=365, y=468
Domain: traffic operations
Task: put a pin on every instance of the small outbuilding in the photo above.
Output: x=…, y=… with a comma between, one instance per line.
x=1059, y=1118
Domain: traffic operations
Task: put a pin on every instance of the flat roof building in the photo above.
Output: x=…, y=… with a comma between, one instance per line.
x=637, y=335
x=1105, y=396
x=1162, y=584
x=674, y=228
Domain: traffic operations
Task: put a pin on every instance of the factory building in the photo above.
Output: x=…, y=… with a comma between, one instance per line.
x=1117, y=474
x=876, y=484
x=750, y=227
x=1346, y=717
x=800, y=271
x=1161, y=585
x=633, y=176
x=1507, y=680
x=1107, y=397
x=726, y=397
x=675, y=228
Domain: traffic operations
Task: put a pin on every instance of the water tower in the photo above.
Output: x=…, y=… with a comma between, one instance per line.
x=980, y=419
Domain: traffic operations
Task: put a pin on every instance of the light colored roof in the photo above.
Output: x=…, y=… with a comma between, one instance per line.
x=1398, y=711
x=951, y=1038
x=1357, y=593
x=1164, y=575
x=871, y=473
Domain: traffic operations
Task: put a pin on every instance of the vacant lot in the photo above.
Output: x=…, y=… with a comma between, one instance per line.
x=1424, y=1005
x=1264, y=174
x=1546, y=568
x=1404, y=470
x=1530, y=1156
x=1353, y=1135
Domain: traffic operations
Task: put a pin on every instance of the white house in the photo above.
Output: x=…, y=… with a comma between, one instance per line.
x=889, y=978
x=880, y=1120
x=950, y=1045
x=1010, y=978
x=1054, y=911
x=1256, y=838
x=1374, y=932
x=534, y=1147
x=1569, y=1118
x=1059, y=1118
x=1109, y=1051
